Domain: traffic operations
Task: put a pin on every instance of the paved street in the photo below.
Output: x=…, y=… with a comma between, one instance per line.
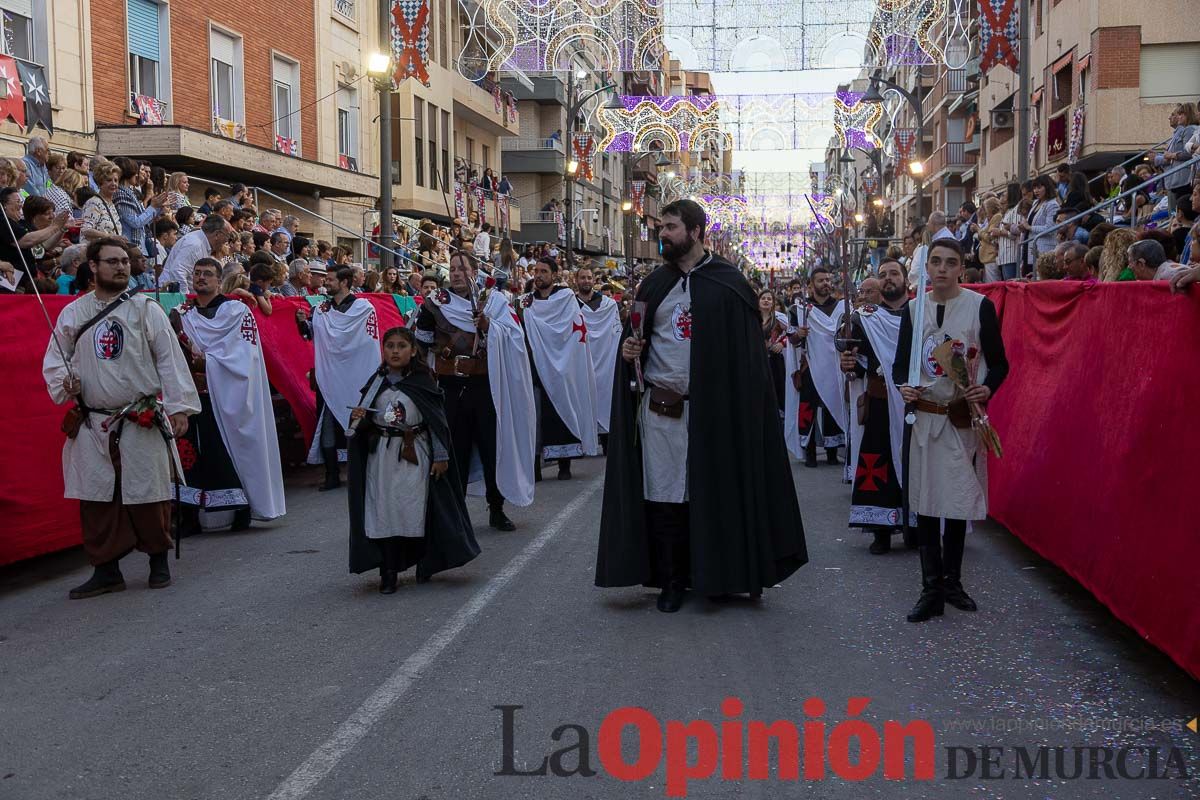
x=267, y=670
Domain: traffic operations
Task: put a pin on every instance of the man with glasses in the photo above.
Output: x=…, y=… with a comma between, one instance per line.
x=113, y=355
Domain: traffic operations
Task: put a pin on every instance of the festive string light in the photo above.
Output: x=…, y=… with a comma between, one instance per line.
x=675, y=123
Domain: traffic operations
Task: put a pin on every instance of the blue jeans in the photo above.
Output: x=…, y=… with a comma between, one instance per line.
x=1009, y=271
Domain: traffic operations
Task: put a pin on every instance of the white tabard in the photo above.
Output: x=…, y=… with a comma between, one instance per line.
x=346, y=352
x=130, y=354
x=668, y=365
x=948, y=473
x=396, y=489
x=824, y=364
x=604, y=340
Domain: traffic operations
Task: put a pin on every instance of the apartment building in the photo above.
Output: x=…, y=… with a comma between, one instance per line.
x=1122, y=66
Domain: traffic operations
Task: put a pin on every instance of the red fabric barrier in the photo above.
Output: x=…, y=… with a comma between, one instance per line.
x=1097, y=420
x=36, y=518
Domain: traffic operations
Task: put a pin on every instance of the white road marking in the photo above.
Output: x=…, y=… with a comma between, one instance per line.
x=325, y=758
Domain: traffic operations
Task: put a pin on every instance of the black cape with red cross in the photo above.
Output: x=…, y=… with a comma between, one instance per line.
x=746, y=530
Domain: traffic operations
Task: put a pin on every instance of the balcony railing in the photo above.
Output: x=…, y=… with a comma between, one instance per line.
x=951, y=155
x=524, y=144
x=953, y=82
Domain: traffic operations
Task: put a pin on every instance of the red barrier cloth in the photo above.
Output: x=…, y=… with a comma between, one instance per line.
x=36, y=517
x=1097, y=419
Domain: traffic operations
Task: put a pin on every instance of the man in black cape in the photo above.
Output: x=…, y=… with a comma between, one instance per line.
x=449, y=538
x=734, y=525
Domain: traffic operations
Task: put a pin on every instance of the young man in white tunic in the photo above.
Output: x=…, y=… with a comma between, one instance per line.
x=947, y=470
x=117, y=460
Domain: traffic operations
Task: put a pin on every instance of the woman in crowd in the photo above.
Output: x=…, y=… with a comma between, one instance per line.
x=1008, y=233
x=1040, y=219
x=56, y=166
x=389, y=283
x=989, y=239
x=401, y=449
x=38, y=214
x=70, y=181
x=1179, y=184
x=1114, y=261
x=8, y=174
x=185, y=218
x=100, y=216
x=1078, y=196
x=177, y=192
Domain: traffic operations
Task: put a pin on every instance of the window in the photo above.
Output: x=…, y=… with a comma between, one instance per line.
x=485, y=158
x=446, y=147
x=418, y=129
x=1170, y=72
x=470, y=152
x=434, y=179
x=1063, y=86
x=345, y=8
x=226, y=65
x=16, y=21
x=286, y=96
x=144, y=48
x=347, y=125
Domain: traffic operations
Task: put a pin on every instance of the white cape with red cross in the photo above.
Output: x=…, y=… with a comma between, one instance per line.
x=559, y=341
x=604, y=339
x=883, y=330
x=511, y=382
x=241, y=398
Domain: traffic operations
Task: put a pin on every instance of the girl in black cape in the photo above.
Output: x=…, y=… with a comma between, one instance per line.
x=406, y=504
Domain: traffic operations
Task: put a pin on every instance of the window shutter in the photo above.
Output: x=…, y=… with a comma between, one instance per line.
x=143, y=29
x=1170, y=72
x=22, y=7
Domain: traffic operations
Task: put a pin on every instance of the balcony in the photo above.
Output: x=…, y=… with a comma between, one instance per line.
x=476, y=103
x=951, y=84
x=547, y=91
x=537, y=156
x=951, y=158
x=541, y=226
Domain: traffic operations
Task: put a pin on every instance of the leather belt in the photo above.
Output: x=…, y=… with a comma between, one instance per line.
x=408, y=451
x=460, y=366
x=930, y=407
x=958, y=411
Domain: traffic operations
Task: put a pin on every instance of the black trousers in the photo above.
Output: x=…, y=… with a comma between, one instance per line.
x=471, y=415
x=668, y=527
x=929, y=529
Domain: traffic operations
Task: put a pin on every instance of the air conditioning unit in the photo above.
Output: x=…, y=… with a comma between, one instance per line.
x=1003, y=118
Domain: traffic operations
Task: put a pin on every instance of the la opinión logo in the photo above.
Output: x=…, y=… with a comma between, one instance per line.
x=732, y=749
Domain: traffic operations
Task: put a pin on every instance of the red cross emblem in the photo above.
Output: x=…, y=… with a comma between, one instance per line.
x=581, y=327
x=870, y=469
x=109, y=340
x=804, y=416
x=249, y=329
x=412, y=33
x=681, y=321
x=372, y=325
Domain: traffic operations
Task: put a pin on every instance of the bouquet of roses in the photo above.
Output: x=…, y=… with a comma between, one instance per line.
x=142, y=412
x=960, y=362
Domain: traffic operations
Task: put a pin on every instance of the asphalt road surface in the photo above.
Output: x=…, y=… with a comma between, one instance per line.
x=268, y=671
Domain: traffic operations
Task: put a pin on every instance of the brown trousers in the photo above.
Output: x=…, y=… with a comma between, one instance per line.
x=112, y=529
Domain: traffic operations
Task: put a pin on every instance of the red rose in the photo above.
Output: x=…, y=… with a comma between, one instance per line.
x=145, y=418
x=490, y=283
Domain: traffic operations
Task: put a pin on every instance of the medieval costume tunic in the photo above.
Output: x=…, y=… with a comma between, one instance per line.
x=231, y=452
x=211, y=481
x=712, y=487
x=593, y=303
x=877, y=422
x=345, y=337
x=119, y=470
x=566, y=388
x=602, y=317
x=490, y=403
x=399, y=515
x=947, y=473
x=821, y=410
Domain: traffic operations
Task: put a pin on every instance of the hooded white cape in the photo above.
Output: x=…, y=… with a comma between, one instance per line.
x=558, y=339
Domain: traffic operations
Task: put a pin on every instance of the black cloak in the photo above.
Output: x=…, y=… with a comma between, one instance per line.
x=746, y=531
x=449, y=537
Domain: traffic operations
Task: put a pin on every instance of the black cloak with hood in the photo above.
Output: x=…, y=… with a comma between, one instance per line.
x=449, y=537
x=746, y=531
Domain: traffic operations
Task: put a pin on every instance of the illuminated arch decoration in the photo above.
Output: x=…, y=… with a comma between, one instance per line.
x=677, y=122
x=854, y=121
x=793, y=35
x=536, y=35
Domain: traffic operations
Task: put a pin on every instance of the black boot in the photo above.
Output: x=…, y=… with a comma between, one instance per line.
x=160, y=573
x=810, y=455
x=499, y=520
x=537, y=469
x=671, y=598
x=388, y=562
x=954, y=542
x=189, y=520
x=931, y=603
x=910, y=537
x=882, y=543
x=105, y=578
x=831, y=456
x=241, y=520
x=333, y=479
x=564, y=469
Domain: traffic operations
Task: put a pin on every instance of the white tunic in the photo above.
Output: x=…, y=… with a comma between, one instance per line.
x=948, y=472
x=396, y=489
x=669, y=366
x=130, y=354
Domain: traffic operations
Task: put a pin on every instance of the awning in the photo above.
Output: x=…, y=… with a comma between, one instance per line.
x=1083, y=63
x=1036, y=97
x=1062, y=63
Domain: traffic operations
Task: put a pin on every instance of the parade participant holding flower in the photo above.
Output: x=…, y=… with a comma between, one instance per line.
x=114, y=355
x=947, y=471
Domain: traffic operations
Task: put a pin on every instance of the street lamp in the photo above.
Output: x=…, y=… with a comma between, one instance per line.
x=916, y=168
x=379, y=70
x=626, y=206
x=573, y=106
